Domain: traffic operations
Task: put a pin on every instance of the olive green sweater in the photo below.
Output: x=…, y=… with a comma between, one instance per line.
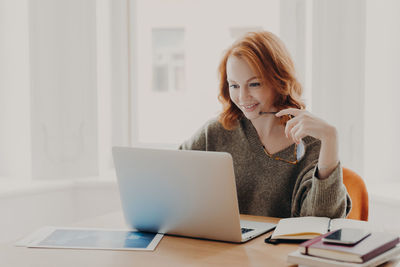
x=270, y=187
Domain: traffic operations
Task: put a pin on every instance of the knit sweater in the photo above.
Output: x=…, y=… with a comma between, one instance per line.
x=270, y=187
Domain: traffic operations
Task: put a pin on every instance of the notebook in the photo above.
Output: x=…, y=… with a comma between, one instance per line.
x=304, y=228
x=180, y=192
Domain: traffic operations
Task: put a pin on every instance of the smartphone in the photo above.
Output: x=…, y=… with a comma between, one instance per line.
x=346, y=236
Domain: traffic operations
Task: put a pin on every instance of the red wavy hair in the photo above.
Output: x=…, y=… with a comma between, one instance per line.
x=269, y=59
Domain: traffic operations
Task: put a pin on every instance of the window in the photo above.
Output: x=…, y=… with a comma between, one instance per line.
x=168, y=60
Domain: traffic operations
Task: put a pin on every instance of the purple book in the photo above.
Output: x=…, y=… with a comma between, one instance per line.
x=370, y=247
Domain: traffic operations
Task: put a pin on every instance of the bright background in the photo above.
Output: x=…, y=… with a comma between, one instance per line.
x=80, y=76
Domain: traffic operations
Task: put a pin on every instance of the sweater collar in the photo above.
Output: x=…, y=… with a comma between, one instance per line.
x=257, y=146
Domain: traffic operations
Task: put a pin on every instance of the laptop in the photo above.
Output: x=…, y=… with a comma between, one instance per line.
x=182, y=192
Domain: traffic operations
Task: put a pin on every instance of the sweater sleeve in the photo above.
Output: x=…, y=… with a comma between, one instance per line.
x=320, y=197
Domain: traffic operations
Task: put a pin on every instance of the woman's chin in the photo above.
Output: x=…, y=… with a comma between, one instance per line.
x=251, y=115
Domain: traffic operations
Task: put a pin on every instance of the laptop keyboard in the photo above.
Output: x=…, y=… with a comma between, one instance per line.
x=246, y=230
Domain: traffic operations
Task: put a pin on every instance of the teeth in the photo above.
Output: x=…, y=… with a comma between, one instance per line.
x=248, y=107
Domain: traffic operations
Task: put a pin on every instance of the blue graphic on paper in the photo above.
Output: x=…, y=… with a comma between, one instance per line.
x=98, y=239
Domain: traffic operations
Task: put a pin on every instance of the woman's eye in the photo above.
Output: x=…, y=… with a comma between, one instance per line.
x=235, y=86
x=254, y=84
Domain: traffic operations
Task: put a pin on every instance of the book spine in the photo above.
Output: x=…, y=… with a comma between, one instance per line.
x=380, y=250
x=303, y=247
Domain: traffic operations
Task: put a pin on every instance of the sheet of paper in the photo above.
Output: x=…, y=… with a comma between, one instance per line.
x=90, y=238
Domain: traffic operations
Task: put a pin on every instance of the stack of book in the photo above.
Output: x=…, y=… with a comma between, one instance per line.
x=377, y=248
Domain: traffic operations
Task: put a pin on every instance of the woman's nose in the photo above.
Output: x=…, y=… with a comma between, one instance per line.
x=243, y=93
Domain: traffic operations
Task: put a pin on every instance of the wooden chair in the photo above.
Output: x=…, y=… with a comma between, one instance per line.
x=358, y=193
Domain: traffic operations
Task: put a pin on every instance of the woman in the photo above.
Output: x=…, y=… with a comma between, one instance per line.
x=285, y=158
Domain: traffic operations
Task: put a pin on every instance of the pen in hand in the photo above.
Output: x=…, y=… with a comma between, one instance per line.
x=267, y=112
x=273, y=112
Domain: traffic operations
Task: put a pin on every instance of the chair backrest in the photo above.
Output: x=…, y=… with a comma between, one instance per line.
x=358, y=193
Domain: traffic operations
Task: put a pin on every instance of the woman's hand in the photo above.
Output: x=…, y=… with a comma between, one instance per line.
x=305, y=123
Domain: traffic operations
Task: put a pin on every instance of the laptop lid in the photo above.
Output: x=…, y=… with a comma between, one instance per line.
x=179, y=192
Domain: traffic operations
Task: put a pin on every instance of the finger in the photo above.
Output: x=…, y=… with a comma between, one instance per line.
x=294, y=131
x=289, y=111
x=290, y=124
x=299, y=136
x=298, y=133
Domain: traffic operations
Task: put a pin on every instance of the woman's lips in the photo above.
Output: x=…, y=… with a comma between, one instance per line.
x=251, y=107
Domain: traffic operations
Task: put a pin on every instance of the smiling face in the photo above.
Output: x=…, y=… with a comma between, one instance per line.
x=246, y=89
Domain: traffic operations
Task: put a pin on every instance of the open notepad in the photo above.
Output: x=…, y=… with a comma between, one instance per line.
x=303, y=228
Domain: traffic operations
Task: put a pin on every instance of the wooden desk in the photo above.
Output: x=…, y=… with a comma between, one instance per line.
x=171, y=251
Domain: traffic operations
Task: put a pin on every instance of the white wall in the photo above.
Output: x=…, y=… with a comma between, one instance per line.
x=113, y=95
x=338, y=74
x=61, y=203
x=120, y=69
x=15, y=101
x=382, y=92
x=64, y=88
x=64, y=92
x=296, y=32
x=384, y=213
